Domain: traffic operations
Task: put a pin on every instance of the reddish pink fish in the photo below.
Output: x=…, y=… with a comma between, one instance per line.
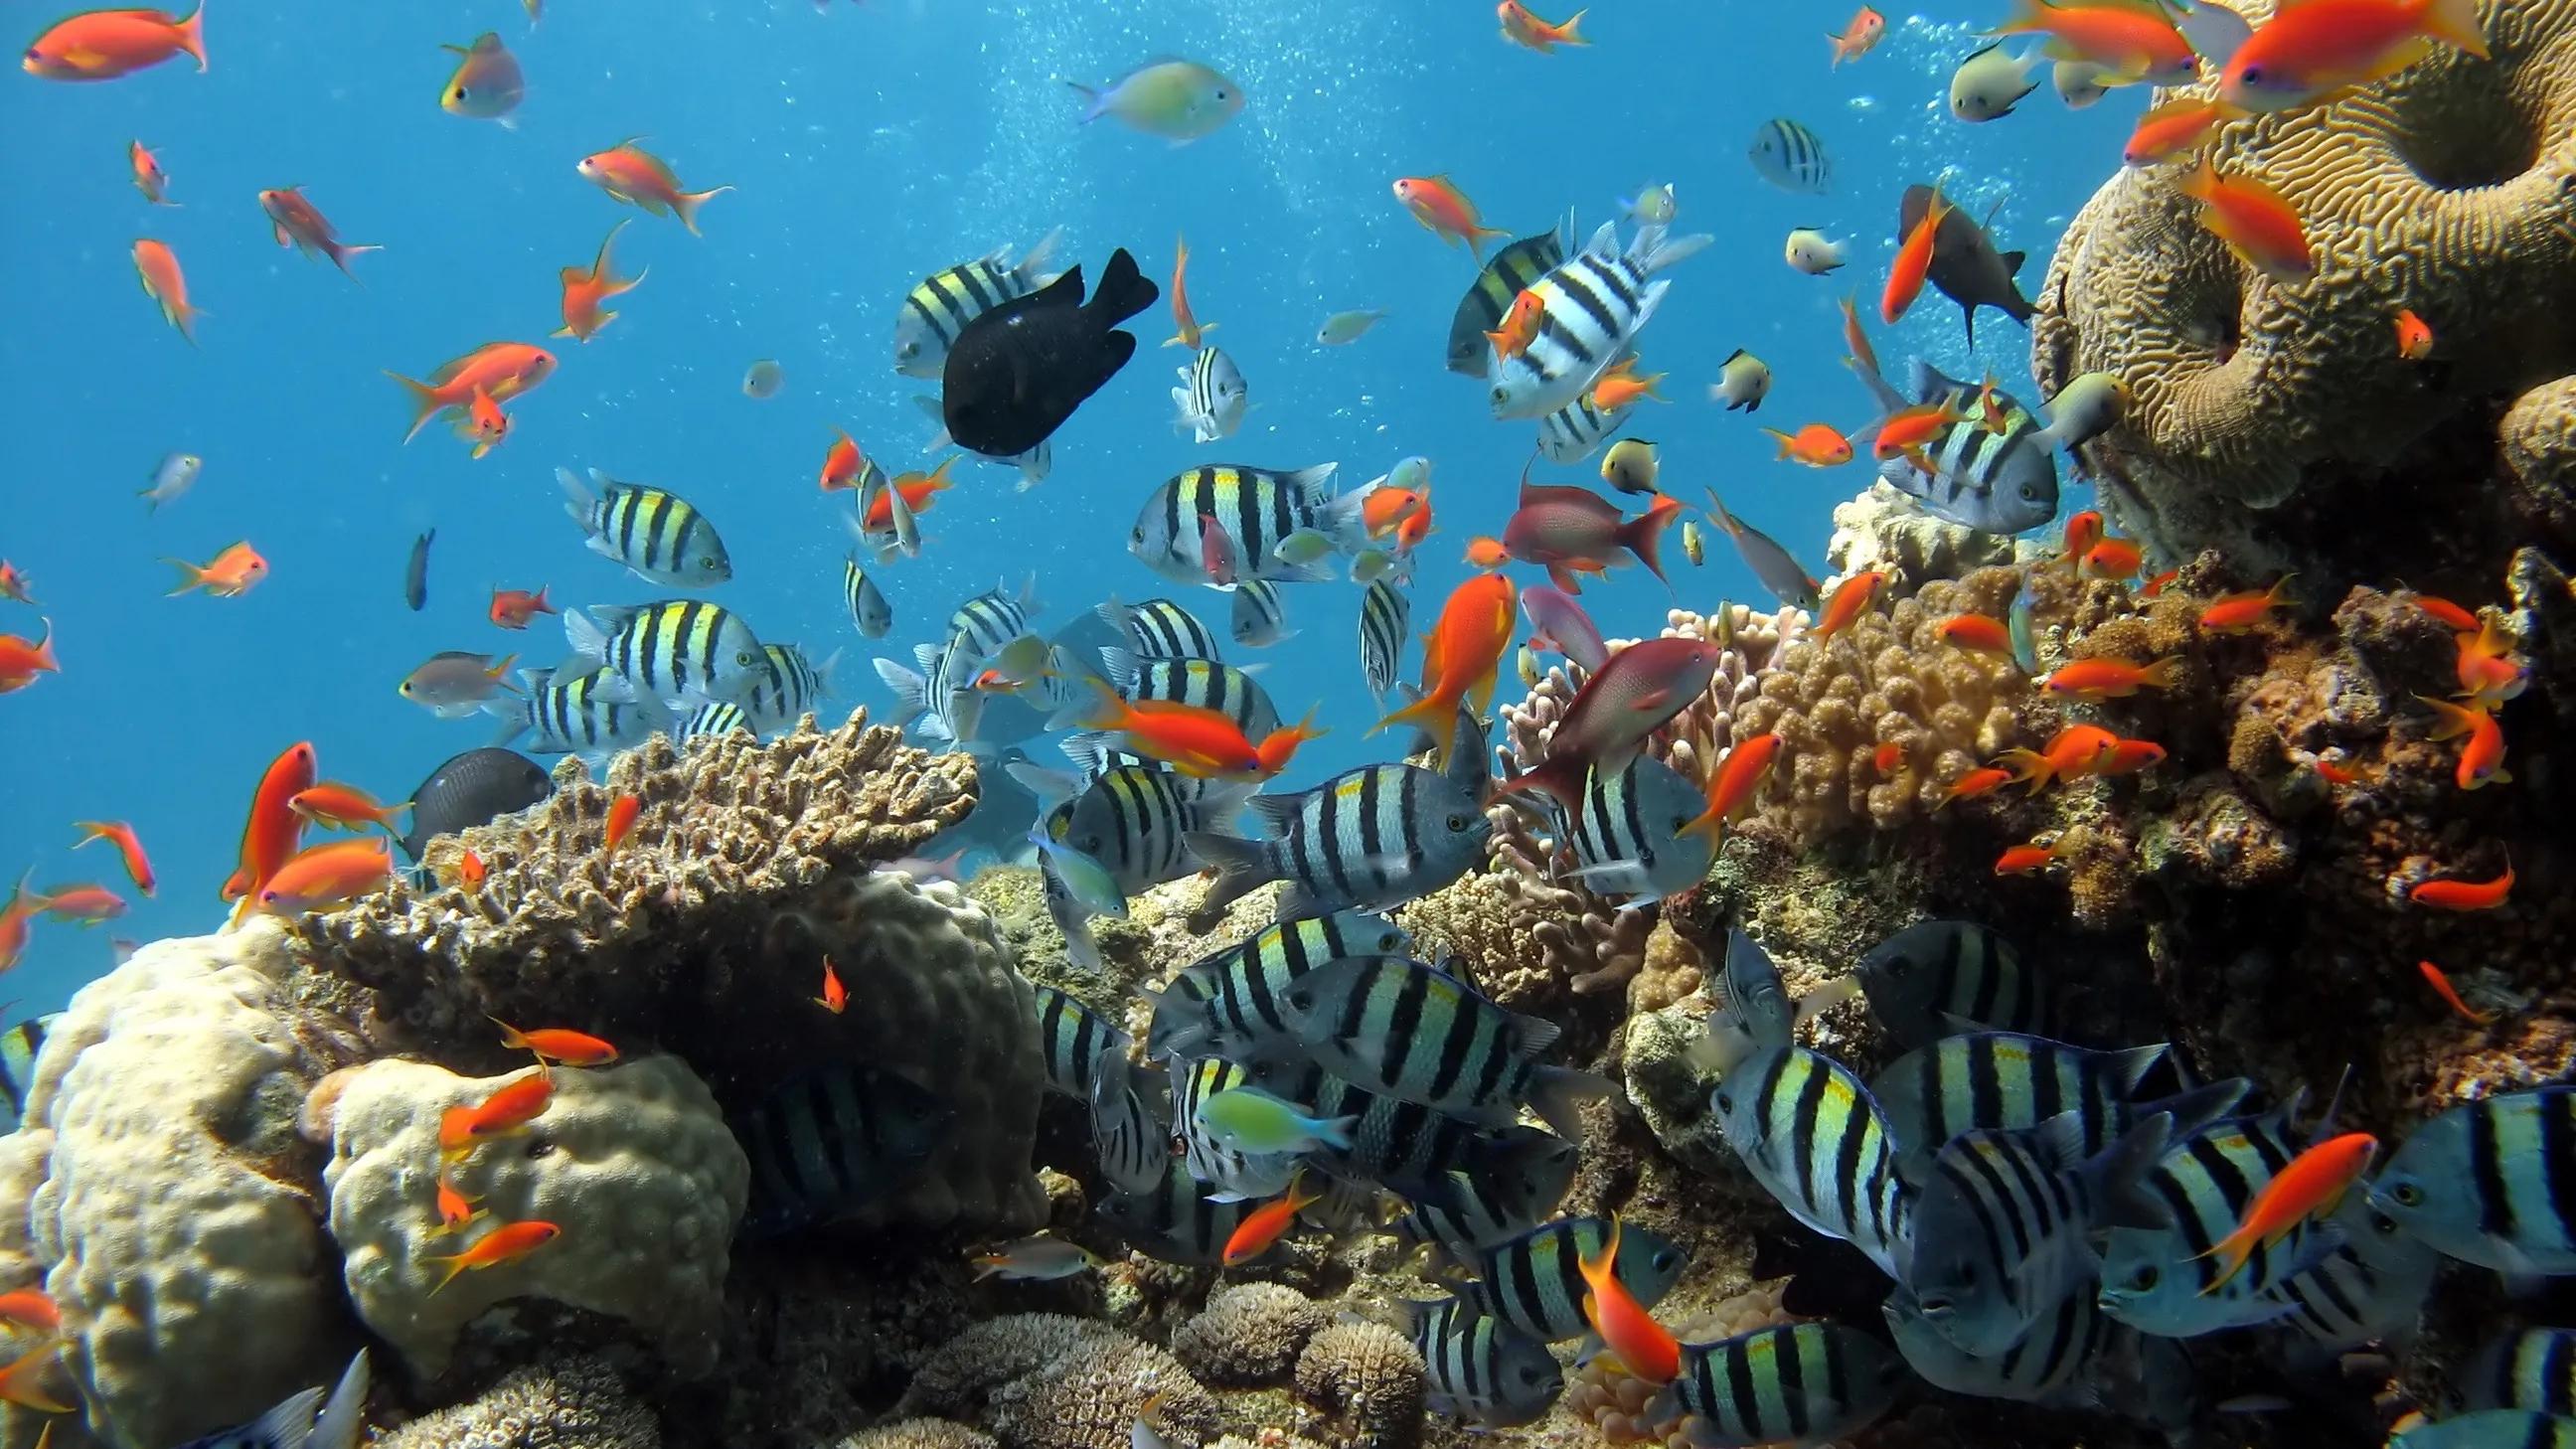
x=1570, y=531
x=1634, y=694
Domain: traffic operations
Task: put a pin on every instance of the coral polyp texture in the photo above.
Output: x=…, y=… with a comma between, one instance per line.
x=2448, y=190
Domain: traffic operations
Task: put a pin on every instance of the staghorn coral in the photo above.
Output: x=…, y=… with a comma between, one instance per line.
x=1883, y=529
x=1887, y=680
x=632, y=1162
x=1046, y=1381
x=1369, y=1379
x=2449, y=188
x=573, y=1403
x=1250, y=1333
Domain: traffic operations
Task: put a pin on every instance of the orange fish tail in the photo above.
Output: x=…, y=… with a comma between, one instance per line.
x=191, y=34
x=2029, y=767
x=2164, y=673
x=424, y=401
x=2455, y=22
x=1430, y=714
x=191, y=577
x=686, y=203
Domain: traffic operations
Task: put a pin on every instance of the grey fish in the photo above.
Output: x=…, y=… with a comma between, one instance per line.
x=1626, y=839
x=1476, y=1212
x=1993, y=482
x=1238, y=1176
x=1412, y=1150
x=1572, y=432
x=1385, y=619
x=827, y=1143
x=940, y=305
x=416, y=573
x=1132, y=1145
x=2534, y=1369
x=2491, y=1182
x=713, y=719
x=870, y=614
x=1925, y=976
x=174, y=475
x=1260, y=615
x=1398, y=1027
x=474, y=788
x=2049, y=1365
x=987, y=623
x=940, y=694
x=1793, y=1383
x=1160, y=629
x=1478, y=1366
x=2370, y=1289
x=2005, y=1081
x=786, y=686
x=1965, y=265
x=1790, y=156
x=293, y=1423
x=1509, y=274
x=572, y=711
x=1788, y=582
x=1229, y=998
x=1212, y=396
x=1179, y=1220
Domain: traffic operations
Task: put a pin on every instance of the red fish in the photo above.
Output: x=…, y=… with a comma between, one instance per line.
x=1904, y=432
x=484, y=424
x=836, y=997
x=2083, y=530
x=1385, y=509
x=149, y=178
x=344, y=807
x=455, y=1209
x=1887, y=757
x=105, y=44
x=1265, y=1225
x=1984, y=781
x=298, y=223
x=2441, y=984
x=470, y=871
x=87, y=904
x=513, y=608
x=640, y=178
x=1203, y=744
x=2127, y=757
x=1732, y=784
x=2464, y=895
x=2025, y=859
x=2318, y=50
x=1575, y=530
x=29, y=1308
x=1645, y=1348
x=2256, y=222
x=1817, y=445
x=2237, y=613
x=513, y=1106
x=503, y=1244
x=273, y=831
x=1979, y=632
x=2129, y=43
x=1217, y=558
x=163, y=282
x=1620, y=386
x=556, y=1044
x=2157, y=585
x=2072, y=753
x=1847, y=602
x=21, y=660
x=1520, y=325
x=2414, y=337
x=2337, y=774
x=2175, y=127
x=1445, y=211
x=17, y=918
x=621, y=822
x=138, y=866
x=2482, y=753
x=2100, y=679
x=324, y=876
x=917, y=489
x=1913, y=261
x=2113, y=558
x=841, y=464
x=1866, y=29
x=1190, y=329
x=2307, y=1188
x=2489, y=670
x=1461, y=656
x=2453, y=617
x=1855, y=341
x=229, y=575
x=22, y=1382
x=1523, y=27
x=586, y=292
x=1636, y=692
x=502, y=369
x=14, y=584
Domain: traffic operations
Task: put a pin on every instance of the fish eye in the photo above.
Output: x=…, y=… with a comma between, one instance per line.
x=2406, y=1194
x=2144, y=1280
x=1502, y=395
x=743, y=658
x=457, y=94
x=2253, y=75
x=1457, y=822
x=2030, y=493
x=1723, y=1101
x=1663, y=1259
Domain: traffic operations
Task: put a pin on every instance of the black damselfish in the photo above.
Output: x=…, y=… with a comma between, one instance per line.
x=1018, y=371
x=473, y=788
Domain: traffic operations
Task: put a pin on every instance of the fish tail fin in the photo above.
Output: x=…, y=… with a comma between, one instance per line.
x=1429, y=714
x=1241, y=866
x=455, y=1265
x=340, y=256
x=424, y=402
x=1280, y=746
x=190, y=576
x=686, y=205
x=1095, y=105
x=18, y=1382
x=911, y=692
x=2165, y=673
x=2028, y=767
x=192, y=35
x=340, y=1425
x=2454, y=22
x=1644, y=535
x=1569, y=33
x=1559, y=777
x=1557, y=1095
x=1124, y=291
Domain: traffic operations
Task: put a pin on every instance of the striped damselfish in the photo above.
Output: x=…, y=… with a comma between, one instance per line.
x=828, y=1143
x=1993, y=482
x=941, y=304
x=1480, y=1367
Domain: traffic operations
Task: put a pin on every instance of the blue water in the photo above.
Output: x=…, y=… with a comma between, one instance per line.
x=868, y=146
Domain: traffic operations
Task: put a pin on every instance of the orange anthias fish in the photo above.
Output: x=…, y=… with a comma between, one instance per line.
x=2464, y=895
x=556, y=1044
x=586, y=292
x=640, y=178
x=2334, y=773
x=2315, y=51
x=1818, y=445
x=1732, y=784
x=21, y=660
x=455, y=1209
x=1913, y=261
x=272, y=831
x=14, y=584
x=2458, y=620
x=344, y=807
x=22, y=1382
x=470, y=871
x=1414, y=527
x=1620, y=386
x=1520, y=325
x=513, y=608
x=1522, y=27
x=1461, y=657
x=2113, y=558
x=1203, y=744
x=2237, y=613
x=2308, y=1187
x=105, y=44
x=2435, y=977
x=163, y=282
x=1190, y=328
x=1983, y=781
x=621, y=823
x=29, y=1308
x=149, y=178
x=836, y=997
x=1445, y=211
x=1859, y=38
x=2083, y=531
x=1908, y=429
x=1978, y=632
x=1855, y=341
x=2256, y=222
x=86, y=904
x=1385, y=509
x=2158, y=584
x=298, y=223
x=513, y=1106
x=1848, y=600
x=231, y=574
x=502, y=369
x=917, y=490
x=321, y=877
x=841, y=464
x=2025, y=859
x=1645, y=1348
x=2482, y=755
x=2129, y=43
x=1487, y=553
x=2414, y=336
x=2100, y=679
x=138, y=866
x=503, y=1244
x=484, y=424
x=17, y=916
x=2127, y=757
x=1887, y=757
x=2175, y=127
x=2489, y=670
x=1265, y=1225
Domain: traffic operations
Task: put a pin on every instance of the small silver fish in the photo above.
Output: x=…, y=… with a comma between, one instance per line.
x=174, y=475
x=763, y=379
x=1693, y=547
x=1653, y=205
x=870, y=613
x=1038, y=1258
x=1988, y=84
x=1343, y=328
x=2079, y=83
x=454, y=683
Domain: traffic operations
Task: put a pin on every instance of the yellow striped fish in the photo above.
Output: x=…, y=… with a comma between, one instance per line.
x=657, y=535
x=941, y=305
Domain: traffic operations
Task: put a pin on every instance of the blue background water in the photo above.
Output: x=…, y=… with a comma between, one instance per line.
x=868, y=146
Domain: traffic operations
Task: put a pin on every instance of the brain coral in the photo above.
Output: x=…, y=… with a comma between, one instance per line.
x=2449, y=189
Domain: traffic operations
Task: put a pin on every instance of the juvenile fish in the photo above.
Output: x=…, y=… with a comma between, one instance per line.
x=1385, y=617
x=416, y=573
x=1039, y=1259
x=1212, y=396
x=1260, y=615
x=870, y=613
x=174, y=475
x=453, y=684
x=1791, y=157
x=1743, y=381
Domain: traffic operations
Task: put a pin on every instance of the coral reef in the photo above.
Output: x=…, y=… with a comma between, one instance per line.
x=1047, y=1381
x=920, y=1434
x=575, y=1403
x=1368, y=1379
x=2445, y=189
x=632, y=1163
x=1884, y=530
x=1613, y=1403
x=1250, y=1333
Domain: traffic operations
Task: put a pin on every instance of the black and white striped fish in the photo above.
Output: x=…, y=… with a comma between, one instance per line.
x=787, y=687
x=2370, y=1289
x=1178, y=1220
x=670, y=648
x=1205, y=683
x=1811, y=1134
x=587, y=713
x=2050, y=1365
x=1792, y=1383
x=1791, y=157
x=1131, y=818
x=2008, y=1082
x=713, y=719
x=987, y=623
x=1073, y=1038
x=1992, y=482
x=1591, y=307
x=1129, y=1139
x=1479, y=1367
x=657, y=535
x=1534, y=1282
x=870, y=614
x=1229, y=999
x=941, y=305
x=1476, y=1212
x=2534, y=1369
x=1268, y=515
x=1626, y=839
x=1414, y=1151
x=1212, y=396
x=940, y=695
x=1366, y=839
x=1513, y=269
x=2491, y=1182
x=1933, y=974
x=1572, y=432
x=1405, y=1029
x=1260, y=616
x=831, y=1141
x=1236, y=1175
x=2003, y=1228
x=1386, y=621
x=1160, y=629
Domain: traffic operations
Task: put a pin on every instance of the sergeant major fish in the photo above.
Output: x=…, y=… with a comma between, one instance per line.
x=1790, y=156
x=1201, y=682
x=1229, y=999
x=1073, y=1040
x=941, y=694
x=1626, y=837
x=1478, y=1366
x=1212, y=396
x=669, y=648
x=575, y=711
x=1534, y=1282
x=1792, y=1383
x=657, y=535
x=941, y=304
x=294, y=1423
x=1935, y=972
x=829, y=1142
x=2489, y=1182
x=1260, y=615
x=1591, y=308
x=1159, y=629
x=1995, y=482
x=1178, y=1220
x=1132, y=818
x=1513, y=270
x=786, y=686
x=1385, y=617
x=1572, y=432
x=1259, y=509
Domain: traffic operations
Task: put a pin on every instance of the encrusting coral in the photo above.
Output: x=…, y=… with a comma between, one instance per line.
x=632, y=1164
x=2448, y=189
x=573, y=1403
x=1369, y=1381
x=1047, y=1381
x=1249, y=1333
x=1883, y=530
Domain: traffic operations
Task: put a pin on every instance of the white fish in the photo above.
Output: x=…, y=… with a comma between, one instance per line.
x=1212, y=397
x=1988, y=84
x=1744, y=380
x=1810, y=252
x=2079, y=84
x=1343, y=328
x=174, y=475
x=1593, y=305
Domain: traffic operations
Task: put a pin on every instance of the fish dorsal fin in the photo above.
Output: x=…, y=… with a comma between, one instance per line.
x=1604, y=243
x=290, y=1423
x=2012, y=262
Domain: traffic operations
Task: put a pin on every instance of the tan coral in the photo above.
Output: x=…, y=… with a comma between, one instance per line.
x=576, y=1401
x=920, y=1434
x=1883, y=529
x=1047, y=1381
x=2449, y=189
x=1250, y=1333
x=2539, y=437
x=1369, y=1380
